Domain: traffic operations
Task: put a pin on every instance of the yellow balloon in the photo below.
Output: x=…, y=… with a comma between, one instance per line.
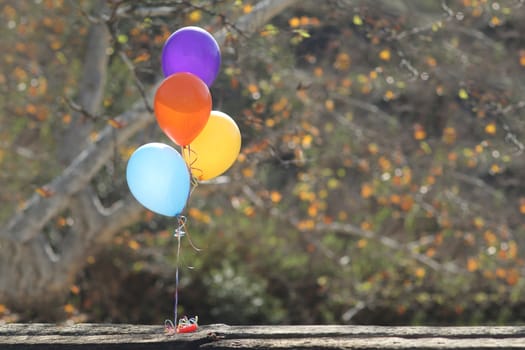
x=215, y=149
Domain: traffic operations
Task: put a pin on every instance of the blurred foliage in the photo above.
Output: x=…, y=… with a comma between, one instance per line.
x=380, y=179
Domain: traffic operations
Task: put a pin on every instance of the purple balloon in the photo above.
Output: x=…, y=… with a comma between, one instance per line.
x=193, y=50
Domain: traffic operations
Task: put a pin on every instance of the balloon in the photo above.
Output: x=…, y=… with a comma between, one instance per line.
x=182, y=106
x=194, y=50
x=215, y=149
x=158, y=178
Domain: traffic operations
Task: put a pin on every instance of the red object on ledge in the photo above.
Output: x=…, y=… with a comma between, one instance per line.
x=187, y=325
x=187, y=328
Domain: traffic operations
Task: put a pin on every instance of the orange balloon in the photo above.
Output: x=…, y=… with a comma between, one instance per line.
x=182, y=107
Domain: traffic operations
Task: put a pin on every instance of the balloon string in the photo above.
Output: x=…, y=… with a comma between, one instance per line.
x=192, y=244
x=169, y=326
x=179, y=233
x=194, y=179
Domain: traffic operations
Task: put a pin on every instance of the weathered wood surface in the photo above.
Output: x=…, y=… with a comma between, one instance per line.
x=133, y=337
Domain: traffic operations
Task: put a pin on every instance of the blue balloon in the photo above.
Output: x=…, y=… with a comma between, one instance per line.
x=158, y=178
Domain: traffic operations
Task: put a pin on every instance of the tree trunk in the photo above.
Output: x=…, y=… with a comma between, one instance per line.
x=42, y=275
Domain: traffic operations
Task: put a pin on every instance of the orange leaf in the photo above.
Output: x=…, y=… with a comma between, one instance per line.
x=258, y=147
x=367, y=190
x=306, y=142
x=306, y=225
x=478, y=222
x=45, y=192
x=407, y=202
x=395, y=199
x=495, y=21
x=366, y=225
x=472, y=264
x=61, y=221
x=512, y=277
x=143, y=57
x=310, y=248
x=280, y=105
x=490, y=128
x=270, y=122
x=329, y=105
x=501, y=272
x=431, y=61
x=74, y=289
x=346, y=82
x=385, y=55
x=384, y=163
x=247, y=172
x=133, y=245
x=304, y=20
x=275, y=196
x=420, y=272
x=117, y=124
x=401, y=309
x=247, y=8
x=419, y=132
x=513, y=250
x=94, y=136
x=430, y=180
x=495, y=169
x=389, y=95
x=490, y=237
x=69, y=308
x=312, y=210
x=294, y=22
x=449, y=135
x=342, y=61
x=31, y=109
x=373, y=148
x=249, y=211
x=66, y=119
x=459, y=309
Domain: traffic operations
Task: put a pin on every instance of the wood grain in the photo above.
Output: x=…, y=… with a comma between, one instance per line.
x=218, y=336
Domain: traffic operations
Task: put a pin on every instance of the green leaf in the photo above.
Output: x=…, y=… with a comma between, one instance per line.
x=122, y=38
x=302, y=33
x=463, y=94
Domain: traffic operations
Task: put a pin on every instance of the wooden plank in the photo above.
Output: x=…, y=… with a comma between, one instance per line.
x=134, y=337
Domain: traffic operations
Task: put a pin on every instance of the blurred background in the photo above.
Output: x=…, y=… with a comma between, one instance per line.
x=381, y=178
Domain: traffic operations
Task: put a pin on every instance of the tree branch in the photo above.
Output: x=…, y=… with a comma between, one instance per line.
x=350, y=229
x=262, y=12
x=27, y=223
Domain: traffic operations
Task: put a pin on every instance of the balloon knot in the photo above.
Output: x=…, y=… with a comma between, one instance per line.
x=179, y=231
